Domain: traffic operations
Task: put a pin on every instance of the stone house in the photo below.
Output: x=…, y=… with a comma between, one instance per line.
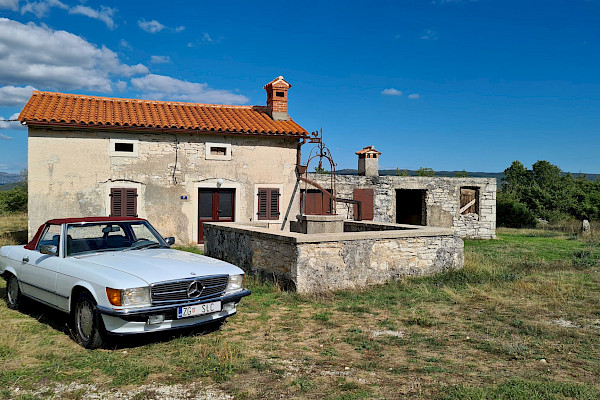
x=176, y=164
x=468, y=205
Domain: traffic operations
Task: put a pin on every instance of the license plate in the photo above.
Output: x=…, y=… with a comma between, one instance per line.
x=198, y=309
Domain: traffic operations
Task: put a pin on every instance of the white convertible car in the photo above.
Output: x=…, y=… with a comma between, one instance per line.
x=117, y=275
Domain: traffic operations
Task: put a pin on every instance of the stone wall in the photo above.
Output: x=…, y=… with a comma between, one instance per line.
x=442, y=200
x=326, y=262
x=72, y=171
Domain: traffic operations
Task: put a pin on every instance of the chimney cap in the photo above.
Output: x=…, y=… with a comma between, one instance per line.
x=368, y=150
x=278, y=82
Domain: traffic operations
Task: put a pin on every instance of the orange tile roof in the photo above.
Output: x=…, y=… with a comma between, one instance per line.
x=368, y=150
x=91, y=111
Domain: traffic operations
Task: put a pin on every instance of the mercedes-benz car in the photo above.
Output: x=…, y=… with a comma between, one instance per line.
x=119, y=276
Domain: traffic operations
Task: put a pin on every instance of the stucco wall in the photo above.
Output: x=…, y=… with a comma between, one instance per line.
x=326, y=262
x=71, y=173
x=442, y=200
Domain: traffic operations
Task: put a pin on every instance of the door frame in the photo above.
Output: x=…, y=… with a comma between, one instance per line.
x=216, y=194
x=214, y=184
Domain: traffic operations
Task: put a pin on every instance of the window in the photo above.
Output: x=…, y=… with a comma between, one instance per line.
x=126, y=147
x=268, y=204
x=469, y=200
x=123, y=148
x=51, y=236
x=279, y=94
x=218, y=151
x=123, y=202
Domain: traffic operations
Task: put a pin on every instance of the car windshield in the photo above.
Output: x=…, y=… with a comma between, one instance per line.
x=111, y=236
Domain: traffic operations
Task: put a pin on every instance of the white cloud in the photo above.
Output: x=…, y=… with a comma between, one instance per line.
x=39, y=56
x=160, y=59
x=41, y=8
x=10, y=125
x=10, y=4
x=105, y=14
x=151, y=26
x=125, y=44
x=121, y=86
x=429, y=34
x=160, y=87
x=413, y=96
x=15, y=95
x=179, y=28
x=391, y=92
x=206, y=37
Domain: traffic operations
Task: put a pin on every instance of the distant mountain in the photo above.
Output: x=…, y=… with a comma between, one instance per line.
x=9, y=178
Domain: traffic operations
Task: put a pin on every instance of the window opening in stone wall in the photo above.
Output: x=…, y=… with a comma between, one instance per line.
x=218, y=151
x=279, y=94
x=411, y=207
x=268, y=204
x=469, y=200
x=124, y=147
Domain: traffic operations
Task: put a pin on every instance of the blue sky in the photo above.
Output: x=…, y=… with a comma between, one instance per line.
x=445, y=84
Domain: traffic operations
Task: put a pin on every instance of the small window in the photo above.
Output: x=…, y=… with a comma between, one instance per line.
x=268, y=204
x=218, y=151
x=469, y=200
x=124, y=147
x=279, y=94
x=123, y=202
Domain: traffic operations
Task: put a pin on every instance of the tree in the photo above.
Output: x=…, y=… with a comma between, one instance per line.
x=461, y=174
x=425, y=172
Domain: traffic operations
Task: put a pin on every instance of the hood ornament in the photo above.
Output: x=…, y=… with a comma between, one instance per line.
x=195, y=289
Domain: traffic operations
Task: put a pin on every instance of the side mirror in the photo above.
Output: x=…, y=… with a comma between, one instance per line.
x=170, y=240
x=49, y=249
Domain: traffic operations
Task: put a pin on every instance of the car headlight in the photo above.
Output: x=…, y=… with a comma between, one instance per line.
x=135, y=297
x=236, y=282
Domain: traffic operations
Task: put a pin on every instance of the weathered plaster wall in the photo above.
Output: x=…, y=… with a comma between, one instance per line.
x=442, y=200
x=71, y=173
x=325, y=262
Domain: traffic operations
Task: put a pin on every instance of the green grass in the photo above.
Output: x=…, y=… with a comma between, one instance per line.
x=489, y=331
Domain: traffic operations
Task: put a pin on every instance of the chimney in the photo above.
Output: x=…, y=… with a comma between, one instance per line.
x=277, y=99
x=368, y=161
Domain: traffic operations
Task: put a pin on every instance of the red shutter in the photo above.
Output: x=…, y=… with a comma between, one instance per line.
x=123, y=202
x=365, y=196
x=130, y=203
x=262, y=204
x=116, y=202
x=268, y=204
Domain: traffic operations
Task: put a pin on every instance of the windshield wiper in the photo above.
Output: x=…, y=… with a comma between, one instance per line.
x=146, y=246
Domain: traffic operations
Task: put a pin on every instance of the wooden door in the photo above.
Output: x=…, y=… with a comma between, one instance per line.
x=315, y=202
x=214, y=205
x=365, y=196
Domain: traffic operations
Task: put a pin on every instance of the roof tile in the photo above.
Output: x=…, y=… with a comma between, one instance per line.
x=98, y=111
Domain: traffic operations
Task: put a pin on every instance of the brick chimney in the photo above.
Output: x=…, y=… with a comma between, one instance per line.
x=368, y=161
x=277, y=99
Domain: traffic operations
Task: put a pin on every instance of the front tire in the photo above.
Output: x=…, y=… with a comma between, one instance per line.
x=14, y=298
x=88, y=327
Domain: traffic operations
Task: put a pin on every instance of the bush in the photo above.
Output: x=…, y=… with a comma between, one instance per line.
x=514, y=214
x=14, y=200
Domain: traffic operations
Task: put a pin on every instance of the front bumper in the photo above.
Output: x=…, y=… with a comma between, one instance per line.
x=125, y=322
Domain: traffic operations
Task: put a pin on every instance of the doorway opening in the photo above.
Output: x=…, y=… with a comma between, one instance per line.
x=411, y=207
x=214, y=205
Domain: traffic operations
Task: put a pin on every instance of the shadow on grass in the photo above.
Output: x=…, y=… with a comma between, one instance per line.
x=60, y=322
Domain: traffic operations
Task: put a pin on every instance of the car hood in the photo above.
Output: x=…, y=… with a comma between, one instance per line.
x=157, y=265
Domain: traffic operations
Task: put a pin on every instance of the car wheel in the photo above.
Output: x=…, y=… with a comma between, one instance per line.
x=13, y=293
x=87, y=323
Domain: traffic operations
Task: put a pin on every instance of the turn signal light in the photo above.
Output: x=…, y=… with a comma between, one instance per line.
x=114, y=296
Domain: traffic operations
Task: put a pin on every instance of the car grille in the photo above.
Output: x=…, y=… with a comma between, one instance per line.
x=164, y=293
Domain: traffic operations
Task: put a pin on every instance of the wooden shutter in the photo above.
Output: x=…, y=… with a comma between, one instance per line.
x=123, y=202
x=365, y=196
x=468, y=201
x=268, y=204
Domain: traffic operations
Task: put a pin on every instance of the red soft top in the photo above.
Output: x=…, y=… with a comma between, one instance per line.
x=33, y=244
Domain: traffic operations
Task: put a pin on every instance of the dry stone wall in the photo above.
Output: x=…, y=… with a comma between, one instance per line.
x=321, y=263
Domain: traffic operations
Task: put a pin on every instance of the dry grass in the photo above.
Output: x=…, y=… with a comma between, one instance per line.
x=521, y=320
x=10, y=225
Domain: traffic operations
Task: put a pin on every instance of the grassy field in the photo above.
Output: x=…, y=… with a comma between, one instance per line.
x=520, y=321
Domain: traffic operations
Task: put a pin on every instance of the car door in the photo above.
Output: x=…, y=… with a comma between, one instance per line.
x=38, y=271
